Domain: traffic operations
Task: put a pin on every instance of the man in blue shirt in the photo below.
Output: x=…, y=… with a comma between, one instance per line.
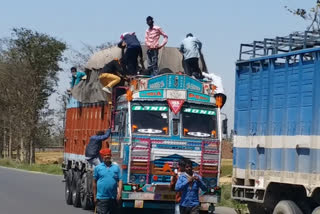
x=188, y=184
x=107, y=184
x=190, y=48
x=95, y=145
x=134, y=50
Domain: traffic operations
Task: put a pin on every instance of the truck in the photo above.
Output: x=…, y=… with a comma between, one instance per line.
x=277, y=125
x=155, y=121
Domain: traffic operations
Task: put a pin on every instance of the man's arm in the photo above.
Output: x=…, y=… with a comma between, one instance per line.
x=165, y=38
x=199, y=180
x=199, y=44
x=119, y=190
x=105, y=136
x=182, y=183
x=94, y=190
x=181, y=49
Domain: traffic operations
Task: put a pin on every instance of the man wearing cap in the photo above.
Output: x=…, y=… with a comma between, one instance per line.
x=134, y=50
x=152, y=37
x=107, y=184
x=95, y=145
x=77, y=76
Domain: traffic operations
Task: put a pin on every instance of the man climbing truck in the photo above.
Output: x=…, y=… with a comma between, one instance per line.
x=157, y=122
x=277, y=125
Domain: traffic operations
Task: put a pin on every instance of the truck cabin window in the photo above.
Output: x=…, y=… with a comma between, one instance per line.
x=150, y=120
x=199, y=123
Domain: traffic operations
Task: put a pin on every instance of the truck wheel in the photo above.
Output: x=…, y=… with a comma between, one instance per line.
x=316, y=211
x=76, y=189
x=287, y=207
x=67, y=190
x=256, y=208
x=86, y=202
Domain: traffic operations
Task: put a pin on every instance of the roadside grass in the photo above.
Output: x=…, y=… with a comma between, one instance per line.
x=226, y=168
x=54, y=169
x=226, y=200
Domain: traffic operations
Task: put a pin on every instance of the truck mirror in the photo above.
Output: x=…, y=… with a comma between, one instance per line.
x=225, y=126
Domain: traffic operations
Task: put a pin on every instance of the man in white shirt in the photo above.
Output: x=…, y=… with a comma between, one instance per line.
x=190, y=48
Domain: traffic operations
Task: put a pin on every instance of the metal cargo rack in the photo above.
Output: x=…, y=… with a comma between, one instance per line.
x=278, y=45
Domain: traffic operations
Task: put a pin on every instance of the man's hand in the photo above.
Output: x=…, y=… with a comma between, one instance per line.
x=95, y=201
x=196, y=178
x=190, y=179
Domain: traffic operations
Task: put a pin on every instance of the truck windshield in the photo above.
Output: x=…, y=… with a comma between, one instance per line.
x=150, y=119
x=199, y=122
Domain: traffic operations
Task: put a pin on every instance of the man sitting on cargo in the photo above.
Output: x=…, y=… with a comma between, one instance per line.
x=134, y=50
x=190, y=48
x=189, y=184
x=111, y=75
x=77, y=76
x=107, y=184
x=95, y=145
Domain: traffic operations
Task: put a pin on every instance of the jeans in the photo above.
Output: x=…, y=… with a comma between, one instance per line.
x=131, y=59
x=109, y=80
x=190, y=210
x=94, y=161
x=153, y=61
x=192, y=67
x=106, y=206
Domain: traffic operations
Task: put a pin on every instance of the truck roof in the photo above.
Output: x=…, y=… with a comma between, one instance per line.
x=279, y=45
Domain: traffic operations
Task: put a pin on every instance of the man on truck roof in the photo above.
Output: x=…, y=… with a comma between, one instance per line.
x=107, y=184
x=134, y=50
x=190, y=48
x=152, y=37
x=95, y=145
x=111, y=75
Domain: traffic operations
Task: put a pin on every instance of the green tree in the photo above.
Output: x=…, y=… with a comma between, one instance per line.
x=30, y=63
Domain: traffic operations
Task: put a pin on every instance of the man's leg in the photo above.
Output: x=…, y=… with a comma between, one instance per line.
x=195, y=210
x=183, y=210
x=102, y=206
x=187, y=67
x=153, y=61
x=133, y=60
x=113, y=80
x=195, y=69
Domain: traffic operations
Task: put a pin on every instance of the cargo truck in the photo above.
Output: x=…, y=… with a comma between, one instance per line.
x=276, y=159
x=155, y=121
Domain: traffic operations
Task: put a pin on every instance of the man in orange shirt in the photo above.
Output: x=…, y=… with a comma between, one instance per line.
x=152, y=37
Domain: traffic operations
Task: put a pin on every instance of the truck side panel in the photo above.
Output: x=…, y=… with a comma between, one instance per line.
x=277, y=109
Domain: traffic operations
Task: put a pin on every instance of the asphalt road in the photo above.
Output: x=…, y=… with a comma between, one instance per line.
x=35, y=193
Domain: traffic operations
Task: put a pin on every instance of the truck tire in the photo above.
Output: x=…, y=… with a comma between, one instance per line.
x=256, y=208
x=85, y=193
x=68, y=189
x=76, y=189
x=287, y=207
x=316, y=211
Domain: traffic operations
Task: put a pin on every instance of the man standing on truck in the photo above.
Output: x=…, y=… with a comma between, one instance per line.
x=134, y=50
x=107, y=184
x=152, y=37
x=190, y=48
x=95, y=145
x=189, y=184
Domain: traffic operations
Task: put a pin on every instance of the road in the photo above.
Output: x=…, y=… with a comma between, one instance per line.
x=35, y=193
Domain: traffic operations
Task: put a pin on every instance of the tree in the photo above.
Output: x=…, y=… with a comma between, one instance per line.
x=313, y=16
x=29, y=64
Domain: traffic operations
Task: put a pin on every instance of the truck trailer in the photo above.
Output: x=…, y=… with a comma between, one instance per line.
x=155, y=121
x=276, y=160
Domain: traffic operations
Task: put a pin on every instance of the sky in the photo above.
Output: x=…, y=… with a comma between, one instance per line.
x=221, y=26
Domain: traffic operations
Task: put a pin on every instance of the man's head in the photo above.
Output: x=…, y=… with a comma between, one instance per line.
x=182, y=165
x=189, y=35
x=106, y=156
x=73, y=71
x=150, y=21
x=189, y=167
